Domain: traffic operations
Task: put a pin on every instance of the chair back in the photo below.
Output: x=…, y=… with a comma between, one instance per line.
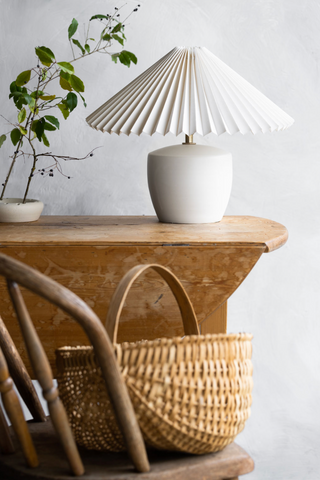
x=17, y=273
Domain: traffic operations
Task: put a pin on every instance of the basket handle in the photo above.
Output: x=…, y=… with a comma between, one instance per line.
x=189, y=318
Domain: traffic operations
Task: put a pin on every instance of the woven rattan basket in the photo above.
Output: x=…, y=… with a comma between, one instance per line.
x=191, y=394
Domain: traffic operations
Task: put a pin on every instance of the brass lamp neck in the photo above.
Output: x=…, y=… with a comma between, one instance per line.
x=188, y=140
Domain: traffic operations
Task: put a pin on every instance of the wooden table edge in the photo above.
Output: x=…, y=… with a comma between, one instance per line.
x=274, y=244
x=102, y=240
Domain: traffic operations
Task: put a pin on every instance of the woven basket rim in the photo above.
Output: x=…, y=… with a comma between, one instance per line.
x=229, y=337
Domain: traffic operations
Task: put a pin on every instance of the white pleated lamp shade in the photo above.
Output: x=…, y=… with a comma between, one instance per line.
x=189, y=91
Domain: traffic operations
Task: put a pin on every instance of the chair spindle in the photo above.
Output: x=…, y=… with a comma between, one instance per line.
x=19, y=375
x=14, y=411
x=6, y=445
x=43, y=373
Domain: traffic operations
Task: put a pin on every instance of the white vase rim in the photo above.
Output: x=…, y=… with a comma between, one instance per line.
x=18, y=201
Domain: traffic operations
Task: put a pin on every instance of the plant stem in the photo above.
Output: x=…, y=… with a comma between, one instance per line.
x=90, y=53
x=10, y=169
x=31, y=173
x=31, y=145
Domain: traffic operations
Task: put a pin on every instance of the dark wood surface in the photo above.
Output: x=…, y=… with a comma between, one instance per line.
x=227, y=464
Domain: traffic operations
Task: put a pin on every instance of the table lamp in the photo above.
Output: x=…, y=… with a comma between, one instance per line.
x=189, y=91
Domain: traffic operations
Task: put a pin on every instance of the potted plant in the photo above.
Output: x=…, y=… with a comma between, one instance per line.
x=37, y=105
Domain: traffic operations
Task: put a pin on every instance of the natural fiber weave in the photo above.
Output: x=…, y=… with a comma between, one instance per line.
x=191, y=394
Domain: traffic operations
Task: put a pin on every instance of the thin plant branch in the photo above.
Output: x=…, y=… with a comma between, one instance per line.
x=34, y=119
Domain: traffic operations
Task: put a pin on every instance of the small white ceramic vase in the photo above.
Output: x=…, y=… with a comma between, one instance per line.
x=13, y=210
x=190, y=183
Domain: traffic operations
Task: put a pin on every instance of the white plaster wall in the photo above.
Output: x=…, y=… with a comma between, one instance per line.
x=275, y=45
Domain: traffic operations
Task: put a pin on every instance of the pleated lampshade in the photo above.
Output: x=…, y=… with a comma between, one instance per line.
x=189, y=90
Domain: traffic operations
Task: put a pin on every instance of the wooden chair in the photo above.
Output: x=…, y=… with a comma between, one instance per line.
x=48, y=436
x=18, y=273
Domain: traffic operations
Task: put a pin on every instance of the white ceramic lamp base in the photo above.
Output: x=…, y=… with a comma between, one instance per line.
x=190, y=183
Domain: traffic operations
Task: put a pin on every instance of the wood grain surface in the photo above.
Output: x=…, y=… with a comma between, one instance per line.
x=227, y=464
x=89, y=255
x=209, y=275
x=115, y=230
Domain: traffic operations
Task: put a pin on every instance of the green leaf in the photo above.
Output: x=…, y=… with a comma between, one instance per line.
x=45, y=140
x=65, y=84
x=13, y=87
x=48, y=126
x=17, y=95
x=34, y=125
x=98, y=16
x=117, y=28
x=76, y=83
x=84, y=102
x=23, y=130
x=22, y=115
x=66, y=67
x=106, y=37
x=87, y=47
x=48, y=52
x=76, y=42
x=65, y=75
x=15, y=136
x=126, y=58
x=119, y=39
x=3, y=138
x=30, y=101
x=37, y=94
x=64, y=110
x=15, y=90
x=39, y=129
x=115, y=57
x=91, y=39
x=19, y=103
x=33, y=109
x=72, y=101
x=46, y=56
x=47, y=97
x=72, y=28
x=23, y=78
x=52, y=120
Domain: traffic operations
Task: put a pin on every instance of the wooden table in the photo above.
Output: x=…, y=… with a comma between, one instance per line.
x=89, y=255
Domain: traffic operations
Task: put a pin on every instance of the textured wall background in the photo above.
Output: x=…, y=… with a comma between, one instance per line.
x=275, y=45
